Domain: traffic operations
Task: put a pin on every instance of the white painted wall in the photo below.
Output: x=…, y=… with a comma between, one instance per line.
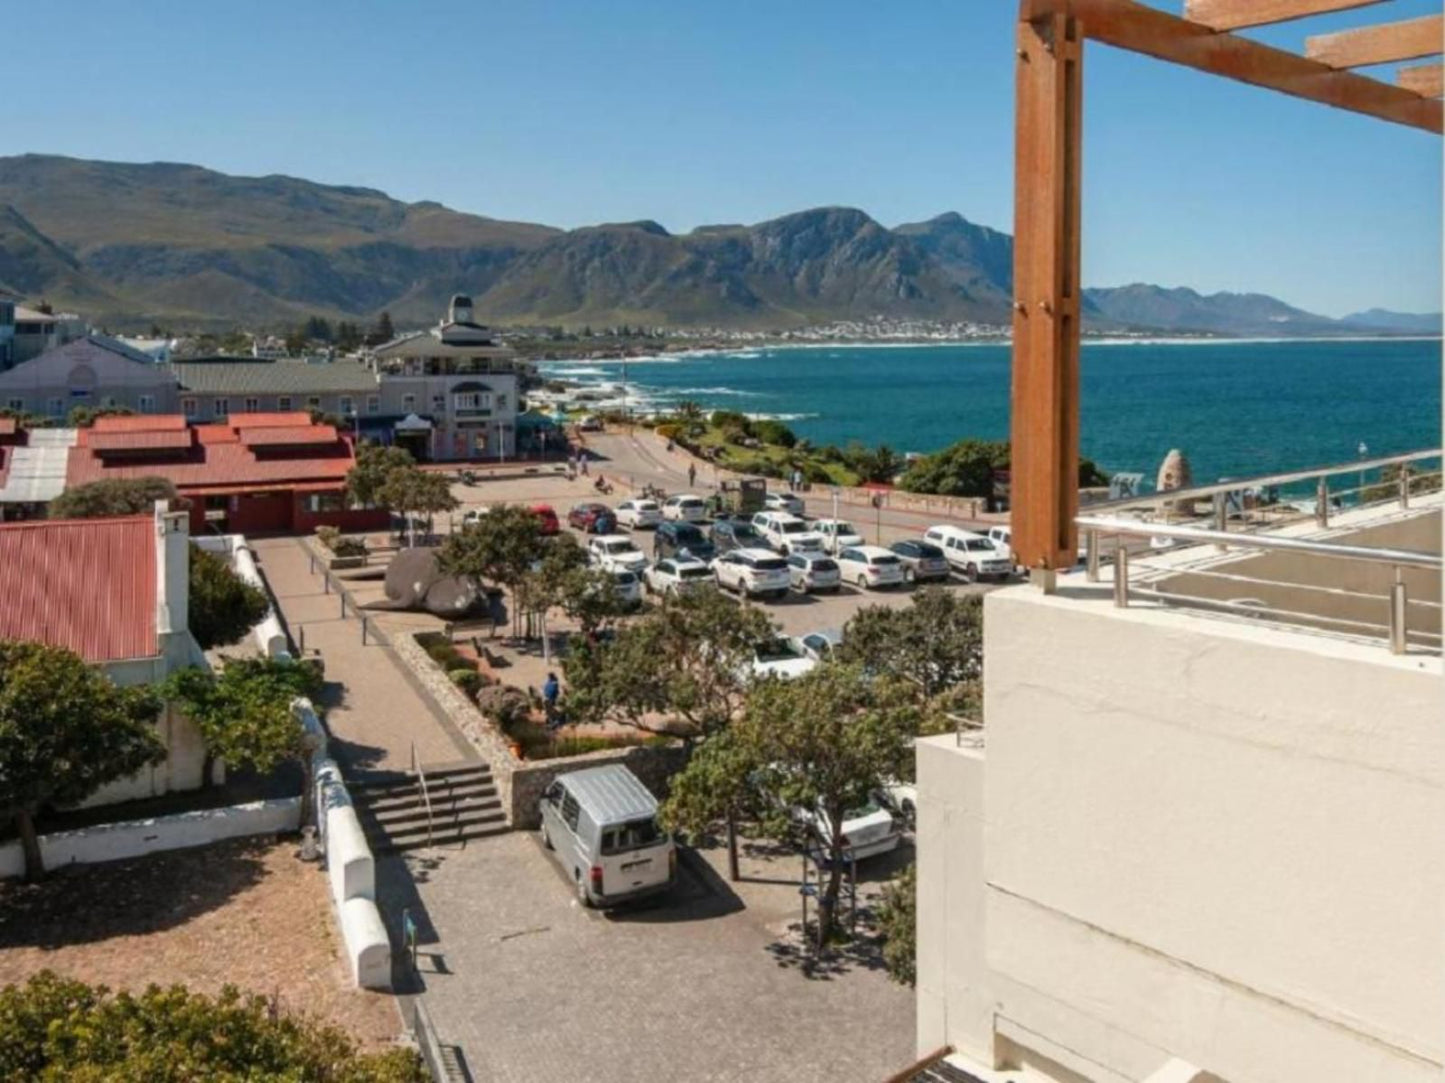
x=182, y=769
x=135, y=838
x=367, y=948
x=1203, y=840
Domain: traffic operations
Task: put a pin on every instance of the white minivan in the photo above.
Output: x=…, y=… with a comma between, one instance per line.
x=970, y=553
x=601, y=823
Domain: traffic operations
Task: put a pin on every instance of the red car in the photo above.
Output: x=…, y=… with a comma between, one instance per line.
x=548, y=516
x=592, y=518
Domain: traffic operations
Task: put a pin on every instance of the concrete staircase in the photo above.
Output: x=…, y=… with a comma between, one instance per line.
x=464, y=802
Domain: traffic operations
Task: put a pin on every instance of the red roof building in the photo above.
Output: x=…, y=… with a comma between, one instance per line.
x=253, y=474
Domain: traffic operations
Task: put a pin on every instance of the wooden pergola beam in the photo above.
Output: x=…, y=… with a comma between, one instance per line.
x=1424, y=79
x=1384, y=44
x=1142, y=29
x=1240, y=14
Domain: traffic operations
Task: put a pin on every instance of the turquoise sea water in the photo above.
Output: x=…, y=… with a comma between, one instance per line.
x=1234, y=408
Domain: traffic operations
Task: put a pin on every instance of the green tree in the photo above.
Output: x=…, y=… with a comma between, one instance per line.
x=416, y=493
x=898, y=923
x=223, y=606
x=111, y=497
x=318, y=329
x=381, y=331
x=297, y=340
x=366, y=478
x=245, y=715
x=501, y=547
x=687, y=660
x=348, y=336
x=803, y=753
x=562, y=578
x=934, y=643
x=65, y=731
x=967, y=469
x=57, y=1030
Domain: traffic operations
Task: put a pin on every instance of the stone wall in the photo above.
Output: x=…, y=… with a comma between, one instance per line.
x=520, y=782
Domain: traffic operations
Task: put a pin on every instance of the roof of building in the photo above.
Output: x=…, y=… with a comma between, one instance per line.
x=282, y=435
x=427, y=344
x=8, y=426
x=139, y=423
x=125, y=440
x=89, y=348
x=273, y=377
x=32, y=315
x=88, y=585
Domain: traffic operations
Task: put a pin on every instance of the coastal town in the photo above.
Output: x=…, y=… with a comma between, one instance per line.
x=397, y=687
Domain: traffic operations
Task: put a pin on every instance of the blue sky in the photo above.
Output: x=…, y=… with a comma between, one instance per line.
x=571, y=112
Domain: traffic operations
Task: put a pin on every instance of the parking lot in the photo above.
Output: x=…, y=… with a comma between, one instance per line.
x=707, y=983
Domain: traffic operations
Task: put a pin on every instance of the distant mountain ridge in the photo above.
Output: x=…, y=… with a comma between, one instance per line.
x=128, y=244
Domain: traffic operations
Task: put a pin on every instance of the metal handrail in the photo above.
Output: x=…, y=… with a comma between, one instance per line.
x=1399, y=559
x=425, y=796
x=1200, y=492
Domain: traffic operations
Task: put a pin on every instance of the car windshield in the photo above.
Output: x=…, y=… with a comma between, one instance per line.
x=633, y=835
x=623, y=546
x=690, y=502
x=778, y=650
x=868, y=808
x=770, y=564
x=645, y=505
x=793, y=528
x=626, y=579
x=843, y=528
x=694, y=571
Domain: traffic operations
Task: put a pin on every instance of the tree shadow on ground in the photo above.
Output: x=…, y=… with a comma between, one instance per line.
x=699, y=894
x=863, y=950
x=81, y=904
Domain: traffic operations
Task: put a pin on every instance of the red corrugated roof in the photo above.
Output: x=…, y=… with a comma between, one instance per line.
x=289, y=434
x=213, y=463
x=217, y=434
x=88, y=585
x=139, y=441
x=291, y=418
x=139, y=423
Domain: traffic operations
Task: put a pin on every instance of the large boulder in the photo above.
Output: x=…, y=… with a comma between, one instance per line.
x=414, y=581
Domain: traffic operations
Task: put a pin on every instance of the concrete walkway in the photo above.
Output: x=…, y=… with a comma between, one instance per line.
x=374, y=710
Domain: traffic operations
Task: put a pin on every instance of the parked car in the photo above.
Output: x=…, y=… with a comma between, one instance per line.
x=902, y=799
x=628, y=586
x=822, y=645
x=811, y=572
x=677, y=575
x=728, y=534
x=922, y=561
x=685, y=508
x=547, y=515
x=870, y=566
x=1003, y=540
x=788, y=502
x=786, y=533
x=638, y=512
x=614, y=551
x=590, y=423
x=970, y=553
x=838, y=534
x=601, y=825
x=753, y=572
x=870, y=828
x=682, y=539
x=782, y=657
x=592, y=519
x=473, y=516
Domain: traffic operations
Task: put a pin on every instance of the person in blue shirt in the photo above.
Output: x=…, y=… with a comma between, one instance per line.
x=551, y=689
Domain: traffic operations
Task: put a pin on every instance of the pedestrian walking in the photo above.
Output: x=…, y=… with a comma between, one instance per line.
x=551, y=689
x=691, y=474
x=582, y=461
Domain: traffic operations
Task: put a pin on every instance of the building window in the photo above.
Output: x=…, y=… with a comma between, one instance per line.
x=373, y=404
x=439, y=403
x=314, y=402
x=253, y=406
x=221, y=408
x=283, y=403
x=55, y=407
x=471, y=400
x=316, y=503
x=147, y=404
x=347, y=409
x=408, y=404
x=18, y=405
x=188, y=407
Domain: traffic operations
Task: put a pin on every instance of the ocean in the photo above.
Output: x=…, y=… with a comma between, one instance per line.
x=1234, y=408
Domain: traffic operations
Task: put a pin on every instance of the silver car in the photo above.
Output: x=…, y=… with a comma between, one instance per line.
x=922, y=560
x=810, y=572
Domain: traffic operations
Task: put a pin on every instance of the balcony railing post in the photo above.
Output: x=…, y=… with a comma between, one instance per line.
x=1121, y=573
x=1221, y=514
x=1091, y=555
x=1404, y=486
x=1322, y=503
x=1399, y=613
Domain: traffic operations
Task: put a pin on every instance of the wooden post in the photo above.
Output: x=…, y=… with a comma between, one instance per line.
x=1044, y=464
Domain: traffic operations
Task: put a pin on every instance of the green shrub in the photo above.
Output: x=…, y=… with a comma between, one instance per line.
x=328, y=536
x=440, y=650
x=897, y=921
x=468, y=680
x=669, y=430
x=775, y=433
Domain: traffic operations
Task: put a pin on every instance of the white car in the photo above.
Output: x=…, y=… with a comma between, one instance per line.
x=787, y=533
x=638, y=512
x=871, y=566
x=628, y=586
x=788, y=502
x=616, y=552
x=902, y=798
x=813, y=572
x=685, y=508
x=1002, y=538
x=783, y=657
x=474, y=515
x=870, y=829
x=970, y=553
x=752, y=572
x=677, y=575
x=822, y=645
x=838, y=534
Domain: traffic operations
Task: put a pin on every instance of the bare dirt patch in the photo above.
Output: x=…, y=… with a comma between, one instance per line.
x=245, y=912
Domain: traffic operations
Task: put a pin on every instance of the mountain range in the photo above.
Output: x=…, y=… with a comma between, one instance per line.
x=130, y=244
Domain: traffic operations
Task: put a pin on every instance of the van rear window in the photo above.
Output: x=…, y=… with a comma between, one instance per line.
x=633, y=835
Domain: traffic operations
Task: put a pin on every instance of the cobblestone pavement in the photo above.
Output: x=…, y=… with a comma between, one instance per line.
x=705, y=985
x=374, y=712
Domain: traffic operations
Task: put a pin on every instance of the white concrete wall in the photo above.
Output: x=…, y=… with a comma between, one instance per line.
x=182, y=769
x=1203, y=840
x=135, y=838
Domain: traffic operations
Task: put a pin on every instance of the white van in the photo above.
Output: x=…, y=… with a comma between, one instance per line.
x=601, y=824
x=970, y=553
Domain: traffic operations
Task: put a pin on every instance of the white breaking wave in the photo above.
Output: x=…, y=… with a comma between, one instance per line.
x=707, y=391
x=554, y=369
x=782, y=417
